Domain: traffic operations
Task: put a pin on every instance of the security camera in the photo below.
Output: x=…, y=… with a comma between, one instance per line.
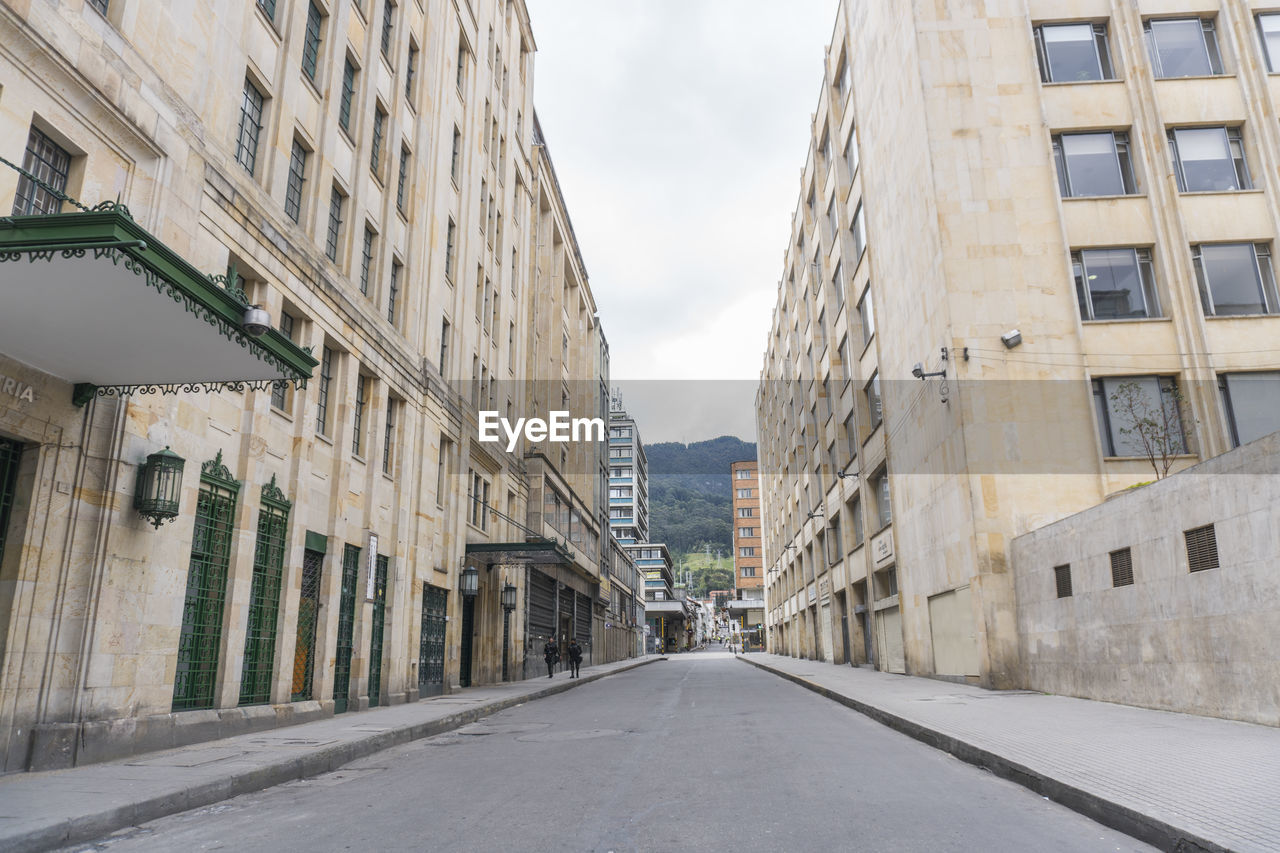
x=918, y=370
x=1011, y=338
x=256, y=321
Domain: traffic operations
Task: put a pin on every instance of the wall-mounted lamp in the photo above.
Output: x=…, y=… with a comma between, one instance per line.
x=469, y=582
x=1011, y=338
x=159, y=487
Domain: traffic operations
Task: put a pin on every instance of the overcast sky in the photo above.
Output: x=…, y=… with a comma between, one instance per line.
x=679, y=129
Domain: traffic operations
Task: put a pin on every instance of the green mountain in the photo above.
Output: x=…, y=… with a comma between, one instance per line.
x=690, y=493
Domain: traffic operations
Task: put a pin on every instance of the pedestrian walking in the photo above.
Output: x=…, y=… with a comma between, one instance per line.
x=551, y=654
x=575, y=658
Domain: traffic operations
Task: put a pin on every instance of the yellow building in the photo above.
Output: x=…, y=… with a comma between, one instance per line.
x=1023, y=229
x=367, y=174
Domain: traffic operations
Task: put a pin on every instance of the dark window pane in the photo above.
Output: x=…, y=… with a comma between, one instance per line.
x=1253, y=401
x=51, y=165
x=311, y=41
x=1071, y=52
x=1114, y=283
x=1231, y=274
x=1204, y=159
x=1178, y=48
x=1092, y=165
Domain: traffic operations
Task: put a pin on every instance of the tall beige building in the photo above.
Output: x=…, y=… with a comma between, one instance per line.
x=369, y=173
x=1024, y=228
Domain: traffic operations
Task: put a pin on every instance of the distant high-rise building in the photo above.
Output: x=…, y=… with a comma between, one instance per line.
x=748, y=557
x=628, y=477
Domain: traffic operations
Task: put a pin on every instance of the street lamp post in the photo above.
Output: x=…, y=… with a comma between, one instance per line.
x=508, y=604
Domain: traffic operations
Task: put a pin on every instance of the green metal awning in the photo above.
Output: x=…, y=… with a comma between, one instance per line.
x=102, y=303
x=538, y=552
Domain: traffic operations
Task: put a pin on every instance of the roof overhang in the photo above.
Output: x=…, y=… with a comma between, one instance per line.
x=92, y=298
x=664, y=608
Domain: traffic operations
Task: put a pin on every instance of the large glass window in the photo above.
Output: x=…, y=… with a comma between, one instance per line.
x=1183, y=47
x=348, y=95
x=48, y=162
x=1093, y=164
x=1138, y=414
x=311, y=41
x=334, y=231
x=1115, y=284
x=250, y=127
x=1209, y=159
x=1235, y=278
x=1073, y=52
x=1269, y=30
x=1252, y=401
x=297, y=174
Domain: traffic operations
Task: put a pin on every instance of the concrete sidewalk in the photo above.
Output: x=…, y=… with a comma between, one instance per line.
x=39, y=811
x=1176, y=781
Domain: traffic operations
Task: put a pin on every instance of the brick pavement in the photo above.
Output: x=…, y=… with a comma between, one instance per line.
x=1174, y=780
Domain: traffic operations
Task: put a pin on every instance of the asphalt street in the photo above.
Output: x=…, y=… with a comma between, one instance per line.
x=701, y=752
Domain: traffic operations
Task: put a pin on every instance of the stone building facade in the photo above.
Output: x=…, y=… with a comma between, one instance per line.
x=369, y=173
x=1042, y=223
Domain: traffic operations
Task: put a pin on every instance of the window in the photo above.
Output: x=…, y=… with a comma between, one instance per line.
x=444, y=346
x=462, y=66
x=402, y=178
x=311, y=41
x=389, y=436
x=1073, y=53
x=746, y=552
x=859, y=233
x=388, y=24
x=450, y=242
x=1115, y=284
x=455, y=160
x=1122, y=567
x=855, y=514
x=743, y=473
x=334, y=232
x=743, y=493
x=268, y=8
x=843, y=78
x=746, y=512
x=1209, y=159
x=100, y=5
x=867, y=314
x=748, y=571
x=393, y=291
x=835, y=543
x=874, y=405
x=348, y=94
x=478, y=498
x=250, y=127
x=366, y=259
x=297, y=174
x=442, y=470
x=851, y=152
x=1252, y=401
x=880, y=487
x=48, y=162
x=851, y=435
x=375, y=145
x=322, y=393
x=748, y=532
x=826, y=149
x=1062, y=580
x=833, y=222
x=280, y=396
x=1183, y=47
x=1092, y=164
x=362, y=399
x=1235, y=279
x=1137, y=412
x=410, y=72
x=1269, y=30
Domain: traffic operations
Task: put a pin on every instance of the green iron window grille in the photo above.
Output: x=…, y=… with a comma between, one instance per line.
x=10, y=456
x=366, y=259
x=346, y=629
x=393, y=292
x=304, y=650
x=297, y=174
x=322, y=394
x=375, y=146
x=264, y=596
x=402, y=178
x=431, y=640
x=51, y=165
x=388, y=24
x=280, y=390
x=362, y=399
x=348, y=94
x=311, y=41
x=376, y=631
x=268, y=8
x=211, y=545
x=336, y=200
x=250, y=127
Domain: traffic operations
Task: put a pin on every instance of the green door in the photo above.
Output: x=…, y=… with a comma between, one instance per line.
x=379, y=622
x=346, y=628
x=304, y=650
x=199, y=642
x=431, y=645
x=264, y=597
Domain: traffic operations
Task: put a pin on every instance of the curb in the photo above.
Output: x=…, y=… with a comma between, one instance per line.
x=89, y=827
x=1143, y=827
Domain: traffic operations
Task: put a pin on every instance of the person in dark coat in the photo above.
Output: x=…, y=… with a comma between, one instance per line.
x=575, y=658
x=551, y=654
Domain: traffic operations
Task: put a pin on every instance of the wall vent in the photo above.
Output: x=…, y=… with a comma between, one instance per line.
x=1062, y=579
x=1122, y=567
x=1202, y=548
